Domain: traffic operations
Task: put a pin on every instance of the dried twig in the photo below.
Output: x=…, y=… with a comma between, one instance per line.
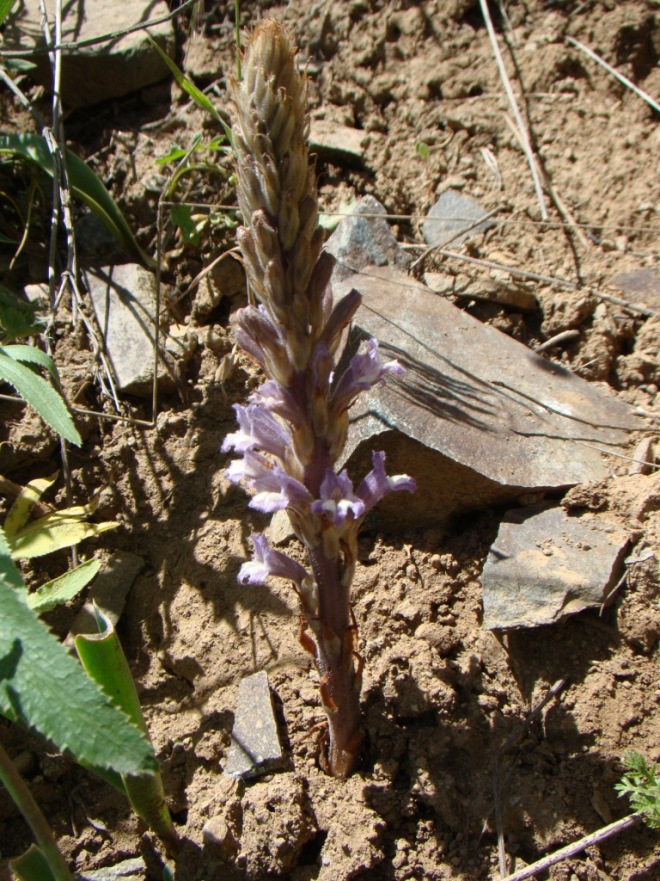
x=622, y=79
x=522, y=128
x=565, y=336
x=575, y=848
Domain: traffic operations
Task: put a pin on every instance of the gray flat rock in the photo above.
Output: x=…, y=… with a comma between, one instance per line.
x=545, y=565
x=255, y=744
x=101, y=71
x=478, y=418
x=124, y=299
x=362, y=239
x=451, y=213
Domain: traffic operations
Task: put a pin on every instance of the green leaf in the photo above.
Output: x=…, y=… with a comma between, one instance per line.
x=31, y=355
x=175, y=154
x=103, y=658
x=19, y=512
x=32, y=866
x=5, y=8
x=17, y=316
x=188, y=87
x=43, y=687
x=183, y=219
x=40, y=394
x=61, y=529
x=8, y=570
x=64, y=588
x=84, y=184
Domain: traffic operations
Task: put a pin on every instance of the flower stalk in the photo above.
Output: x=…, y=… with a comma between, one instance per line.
x=293, y=429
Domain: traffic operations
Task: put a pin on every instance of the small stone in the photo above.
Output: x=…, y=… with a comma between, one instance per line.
x=361, y=240
x=545, y=565
x=131, y=870
x=124, y=300
x=255, y=745
x=337, y=143
x=451, y=213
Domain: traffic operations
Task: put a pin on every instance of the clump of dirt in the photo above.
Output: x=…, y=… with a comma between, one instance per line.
x=454, y=755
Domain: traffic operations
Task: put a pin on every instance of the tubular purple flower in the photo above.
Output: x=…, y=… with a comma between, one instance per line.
x=278, y=400
x=377, y=484
x=338, y=500
x=258, y=428
x=275, y=488
x=364, y=372
x=267, y=561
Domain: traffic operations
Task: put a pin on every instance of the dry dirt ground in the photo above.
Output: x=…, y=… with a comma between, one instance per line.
x=446, y=703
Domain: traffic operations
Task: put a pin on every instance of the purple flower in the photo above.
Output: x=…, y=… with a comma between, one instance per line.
x=275, y=488
x=267, y=561
x=258, y=428
x=377, y=484
x=257, y=334
x=338, y=499
x=364, y=372
x=278, y=400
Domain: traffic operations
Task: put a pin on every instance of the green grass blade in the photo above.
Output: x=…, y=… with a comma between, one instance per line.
x=84, y=183
x=103, y=658
x=33, y=866
x=5, y=9
x=62, y=589
x=39, y=394
x=188, y=87
x=43, y=687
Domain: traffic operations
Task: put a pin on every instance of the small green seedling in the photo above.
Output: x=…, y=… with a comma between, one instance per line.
x=641, y=784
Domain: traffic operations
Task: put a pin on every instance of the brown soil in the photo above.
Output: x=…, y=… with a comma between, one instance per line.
x=446, y=703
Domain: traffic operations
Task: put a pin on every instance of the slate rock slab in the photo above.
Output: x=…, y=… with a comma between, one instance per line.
x=362, y=239
x=124, y=300
x=478, y=418
x=451, y=213
x=101, y=71
x=255, y=745
x=545, y=565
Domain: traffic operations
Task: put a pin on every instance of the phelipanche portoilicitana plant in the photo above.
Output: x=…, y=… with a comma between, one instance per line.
x=294, y=427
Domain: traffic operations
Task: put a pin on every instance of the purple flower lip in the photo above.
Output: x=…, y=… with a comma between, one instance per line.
x=258, y=429
x=338, y=501
x=268, y=561
x=363, y=373
x=275, y=488
x=377, y=484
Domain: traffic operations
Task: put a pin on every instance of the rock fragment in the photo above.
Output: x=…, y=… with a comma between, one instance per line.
x=641, y=287
x=546, y=565
x=255, y=745
x=337, y=143
x=100, y=71
x=124, y=299
x=452, y=213
x=478, y=418
x=362, y=239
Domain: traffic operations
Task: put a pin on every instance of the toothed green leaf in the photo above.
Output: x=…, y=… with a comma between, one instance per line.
x=34, y=389
x=43, y=687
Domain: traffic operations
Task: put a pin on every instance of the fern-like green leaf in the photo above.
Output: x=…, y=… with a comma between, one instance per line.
x=42, y=687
